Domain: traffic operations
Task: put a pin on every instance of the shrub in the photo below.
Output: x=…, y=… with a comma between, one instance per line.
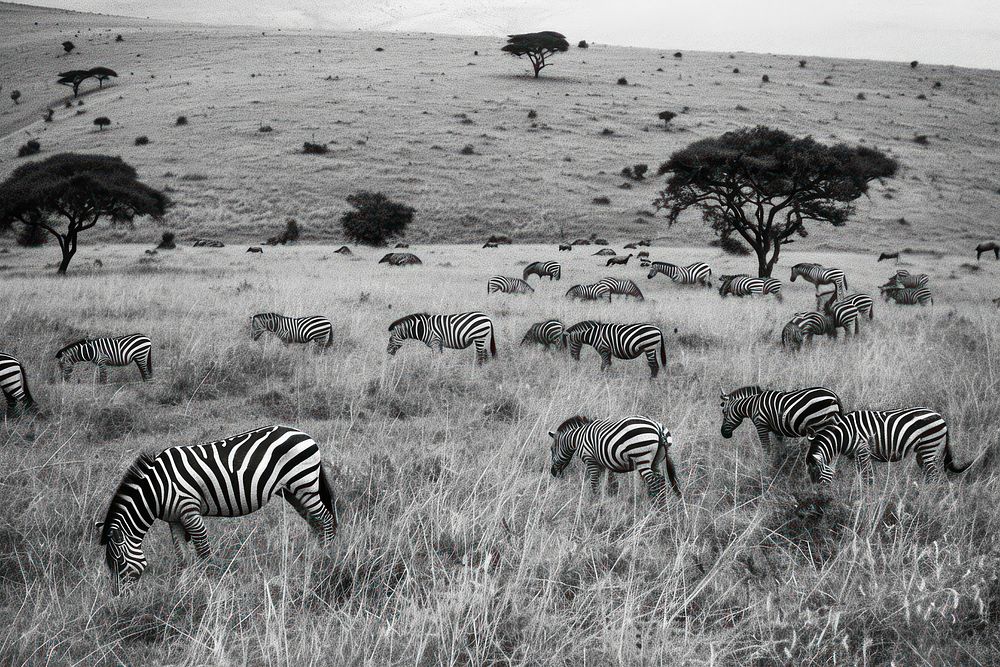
x=167, y=241
x=731, y=246
x=622, y=81
x=532, y=114
x=666, y=117
x=30, y=148
x=765, y=79
x=607, y=132
x=375, y=218
x=921, y=139
x=678, y=54
x=736, y=70
x=861, y=96
x=15, y=95
x=601, y=201
x=49, y=113
x=582, y=44
x=468, y=149
x=921, y=96
x=310, y=148
x=119, y=38
x=32, y=236
x=937, y=84
x=265, y=128
x=142, y=141
x=802, y=63
x=182, y=120
x=913, y=64
x=290, y=234
x=635, y=172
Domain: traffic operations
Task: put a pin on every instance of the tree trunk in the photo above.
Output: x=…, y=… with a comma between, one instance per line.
x=68, y=246
x=764, y=265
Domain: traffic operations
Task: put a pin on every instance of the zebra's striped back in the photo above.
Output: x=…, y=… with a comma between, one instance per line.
x=908, y=296
x=109, y=351
x=863, y=302
x=549, y=332
x=508, y=285
x=804, y=324
x=622, y=286
x=457, y=331
x=692, y=274
x=624, y=341
x=820, y=275
x=904, y=278
x=313, y=328
x=788, y=413
x=844, y=314
x=742, y=285
x=400, y=259
x=551, y=269
x=14, y=383
x=590, y=292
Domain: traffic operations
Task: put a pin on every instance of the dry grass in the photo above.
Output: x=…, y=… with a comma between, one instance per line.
x=456, y=546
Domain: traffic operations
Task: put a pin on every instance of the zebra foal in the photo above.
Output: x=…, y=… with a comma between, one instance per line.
x=547, y=333
x=698, y=273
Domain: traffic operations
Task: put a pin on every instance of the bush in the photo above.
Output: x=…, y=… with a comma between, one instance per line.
x=607, y=132
x=167, y=241
x=101, y=122
x=666, y=116
x=265, y=128
x=375, y=218
x=30, y=148
x=765, y=79
x=289, y=235
x=601, y=201
x=921, y=139
x=182, y=120
x=532, y=114
x=622, y=81
x=921, y=96
x=142, y=141
x=49, y=113
x=736, y=70
x=678, y=54
x=913, y=64
x=937, y=84
x=582, y=44
x=731, y=246
x=802, y=63
x=635, y=172
x=468, y=149
x=861, y=96
x=32, y=236
x=310, y=148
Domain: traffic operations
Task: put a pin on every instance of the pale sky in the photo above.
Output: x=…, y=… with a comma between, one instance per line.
x=952, y=32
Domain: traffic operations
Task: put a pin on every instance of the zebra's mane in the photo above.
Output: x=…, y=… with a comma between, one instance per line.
x=264, y=315
x=60, y=353
x=407, y=318
x=805, y=264
x=572, y=423
x=135, y=472
x=749, y=390
x=580, y=326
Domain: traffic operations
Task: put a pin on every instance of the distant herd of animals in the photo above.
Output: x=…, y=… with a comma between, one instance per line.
x=239, y=475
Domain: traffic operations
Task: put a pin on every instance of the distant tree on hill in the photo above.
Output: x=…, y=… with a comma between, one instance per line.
x=765, y=185
x=101, y=122
x=102, y=74
x=73, y=78
x=666, y=117
x=80, y=189
x=15, y=95
x=68, y=46
x=375, y=218
x=537, y=46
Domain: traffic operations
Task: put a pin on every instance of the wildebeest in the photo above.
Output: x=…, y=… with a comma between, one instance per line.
x=255, y=249
x=343, y=250
x=619, y=261
x=208, y=243
x=604, y=252
x=500, y=239
x=600, y=242
x=630, y=246
x=400, y=259
x=581, y=242
x=889, y=255
x=642, y=254
x=490, y=245
x=988, y=246
x=565, y=246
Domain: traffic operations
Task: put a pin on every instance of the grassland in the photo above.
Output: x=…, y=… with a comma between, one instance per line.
x=397, y=119
x=456, y=546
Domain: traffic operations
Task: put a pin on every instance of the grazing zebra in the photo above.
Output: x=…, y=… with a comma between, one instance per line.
x=227, y=478
x=456, y=332
x=808, y=324
x=864, y=303
x=625, y=341
x=903, y=278
x=692, y=274
x=490, y=245
x=743, y=285
x=622, y=286
x=888, y=255
x=589, y=292
x=843, y=313
x=208, y=243
x=293, y=329
x=508, y=285
x=643, y=242
x=551, y=269
x=907, y=296
x=617, y=445
x=604, y=252
x=104, y=352
x=989, y=246
x=565, y=246
x=547, y=333
x=14, y=385
x=619, y=261
x=786, y=413
x=600, y=242
x=820, y=275
x=887, y=436
x=400, y=259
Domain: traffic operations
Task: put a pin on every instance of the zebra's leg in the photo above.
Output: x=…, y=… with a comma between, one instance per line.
x=594, y=475
x=932, y=463
x=310, y=508
x=764, y=433
x=102, y=372
x=863, y=462
x=654, y=366
x=605, y=359
x=194, y=526
x=178, y=537
x=611, y=485
x=144, y=373
x=656, y=486
x=480, y=352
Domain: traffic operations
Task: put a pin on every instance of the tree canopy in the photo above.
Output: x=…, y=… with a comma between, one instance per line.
x=765, y=185
x=79, y=190
x=74, y=77
x=537, y=46
x=375, y=218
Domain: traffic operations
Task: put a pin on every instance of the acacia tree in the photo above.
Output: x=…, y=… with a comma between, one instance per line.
x=765, y=185
x=80, y=190
x=375, y=218
x=537, y=46
x=102, y=74
x=73, y=78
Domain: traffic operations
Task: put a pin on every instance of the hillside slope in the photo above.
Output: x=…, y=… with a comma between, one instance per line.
x=396, y=120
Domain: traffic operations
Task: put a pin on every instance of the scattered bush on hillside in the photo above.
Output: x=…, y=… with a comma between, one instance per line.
x=532, y=114
x=861, y=96
x=582, y=44
x=102, y=122
x=666, y=117
x=601, y=201
x=607, y=132
x=265, y=129
x=468, y=149
x=30, y=148
x=622, y=81
x=736, y=70
x=678, y=54
x=15, y=95
x=142, y=141
x=167, y=241
x=182, y=120
x=921, y=96
x=921, y=139
x=310, y=148
x=802, y=63
x=913, y=64
x=635, y=172
x=765, y=79
x=731, y=246
x=68, y=46
x=119, y=38
x=375, y=218
x=49, y=113
x=937, y=84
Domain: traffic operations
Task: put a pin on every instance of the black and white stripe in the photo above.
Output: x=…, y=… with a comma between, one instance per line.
x=508, y=285
x=803, y=326
x=14, y=385
x=551, y=269
x=313, y=328
x=820, y=275
x=104, y=352
x=618, y=446
x=863, y=302
x=400, y=259
x=457, y=332
x=743, y=285
x=227, y=478
x=908, y=296
x=698, y=273
x=870, y=435
x=624, y=341
x=786, y=413
x=844, y=314
x=547, y=333
x=622, y=286
x=903, y=278
x=590, y=292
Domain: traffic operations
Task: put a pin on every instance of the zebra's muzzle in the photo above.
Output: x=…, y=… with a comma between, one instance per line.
x=727, y=432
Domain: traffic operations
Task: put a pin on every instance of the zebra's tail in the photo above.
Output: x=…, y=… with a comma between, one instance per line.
x=326, y=495
x=493, y=342
x=663, y=351
x=668, y=465
x=791, y=336
x=949, y=462
x=29, y=400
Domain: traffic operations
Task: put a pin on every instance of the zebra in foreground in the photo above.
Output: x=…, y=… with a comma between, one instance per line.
x=820, y=275
x=227, y=478
x=618, y=446
x=786, y=413
x=547, y=333
x=456, y=332
x=590, y=292
x=289, y=330
x=698, y=273
x=903, y=278
x=508, y=285
x=104, y=352
x=843, y=313
x=907, y=296
x=887, y=436
x=551, y=269
x=806, y=325
x=743, y=285
x=624, y=341
x=622, y=286
x=14, y=385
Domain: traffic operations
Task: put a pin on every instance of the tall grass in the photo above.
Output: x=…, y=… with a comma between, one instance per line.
x=456, y=547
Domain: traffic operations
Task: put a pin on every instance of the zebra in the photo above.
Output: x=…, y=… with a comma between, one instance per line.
x=208, y=243
x=863, y=302
x=617, y=445
x=547, y=333
x=119, y=351
x=622, y=286
x=907, y=295
x=508, y=285
x=692, y=274
x=786, y=413
x=625, y=341
x=820, y=275
x=313, y=328
x=551, y=269
x=743, y=285
x=14, y=385
x=400, y=259
x=903, y=278
x=226, y=478
x=843, y=313
x=456, y=332
x=565, y=246
x=988, y=247
x=804, y=325
x=589, y=292
x=604, y=252
x=887, y=436
x=618, y=261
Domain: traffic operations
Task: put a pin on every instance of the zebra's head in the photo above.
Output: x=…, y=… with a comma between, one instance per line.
x=405, y=328
x=735, y=408
x=129, y=516
x=124, y=557
x=258, y=324
x=826, y=440
x=69, y=355
x=575, y=336
x=564, y=444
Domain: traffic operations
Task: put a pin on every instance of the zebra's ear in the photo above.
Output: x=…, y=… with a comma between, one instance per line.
x=552, y=434
x=99, y=525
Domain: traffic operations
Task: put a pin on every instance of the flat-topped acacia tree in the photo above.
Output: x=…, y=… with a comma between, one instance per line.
x=537, y=46
x=765, y=185
x=77, y=189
